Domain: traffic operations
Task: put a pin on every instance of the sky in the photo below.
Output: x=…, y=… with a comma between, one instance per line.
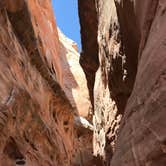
x=66, y=13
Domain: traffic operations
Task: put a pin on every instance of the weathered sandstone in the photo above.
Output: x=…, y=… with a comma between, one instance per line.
x=52, y=111
x=74, y=81
x=129, y=85
x=39, y=89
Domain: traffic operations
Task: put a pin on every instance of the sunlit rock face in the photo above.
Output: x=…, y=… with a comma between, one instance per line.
x=44, y=94
x=73, y=82
x=129, y=85
x=110, y=90
x=36, y=117
x=89, y=54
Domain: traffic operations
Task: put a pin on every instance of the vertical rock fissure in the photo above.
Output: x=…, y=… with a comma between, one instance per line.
x=127, y=89
x=114, y=79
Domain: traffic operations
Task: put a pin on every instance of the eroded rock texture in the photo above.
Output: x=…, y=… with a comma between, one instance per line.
x=41, y=94
x=74, y=81
x=35, y=114
x=144, y=121
x=89, y=55
x=75, y=87
x=129, y=85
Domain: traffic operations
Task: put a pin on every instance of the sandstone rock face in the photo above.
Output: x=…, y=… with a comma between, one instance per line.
x=143, y=129
x=44, y=99
x=113, y=82
x=36, y=115
x=130, y=37
x=89, y=55
x=110, y=78
x=74, y=85
x=74, y=81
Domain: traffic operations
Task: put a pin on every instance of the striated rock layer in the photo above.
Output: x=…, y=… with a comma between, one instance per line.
x=35, y=114
x=41, y=94
x=89, y=55
x=129, y=85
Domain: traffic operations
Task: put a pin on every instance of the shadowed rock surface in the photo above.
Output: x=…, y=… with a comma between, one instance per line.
x=129, y=85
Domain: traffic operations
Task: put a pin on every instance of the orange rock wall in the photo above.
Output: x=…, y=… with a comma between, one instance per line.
x=36, y=118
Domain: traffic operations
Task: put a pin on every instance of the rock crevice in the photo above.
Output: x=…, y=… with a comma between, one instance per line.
x=110, y=112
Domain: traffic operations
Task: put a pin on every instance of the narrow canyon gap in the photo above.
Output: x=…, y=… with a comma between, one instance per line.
x=104, y=106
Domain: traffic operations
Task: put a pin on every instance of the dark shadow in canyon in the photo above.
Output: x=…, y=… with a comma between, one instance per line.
x=129, y=36
x=89, y=59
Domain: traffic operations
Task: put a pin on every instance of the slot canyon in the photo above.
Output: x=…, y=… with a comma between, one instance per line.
x=103, y=106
